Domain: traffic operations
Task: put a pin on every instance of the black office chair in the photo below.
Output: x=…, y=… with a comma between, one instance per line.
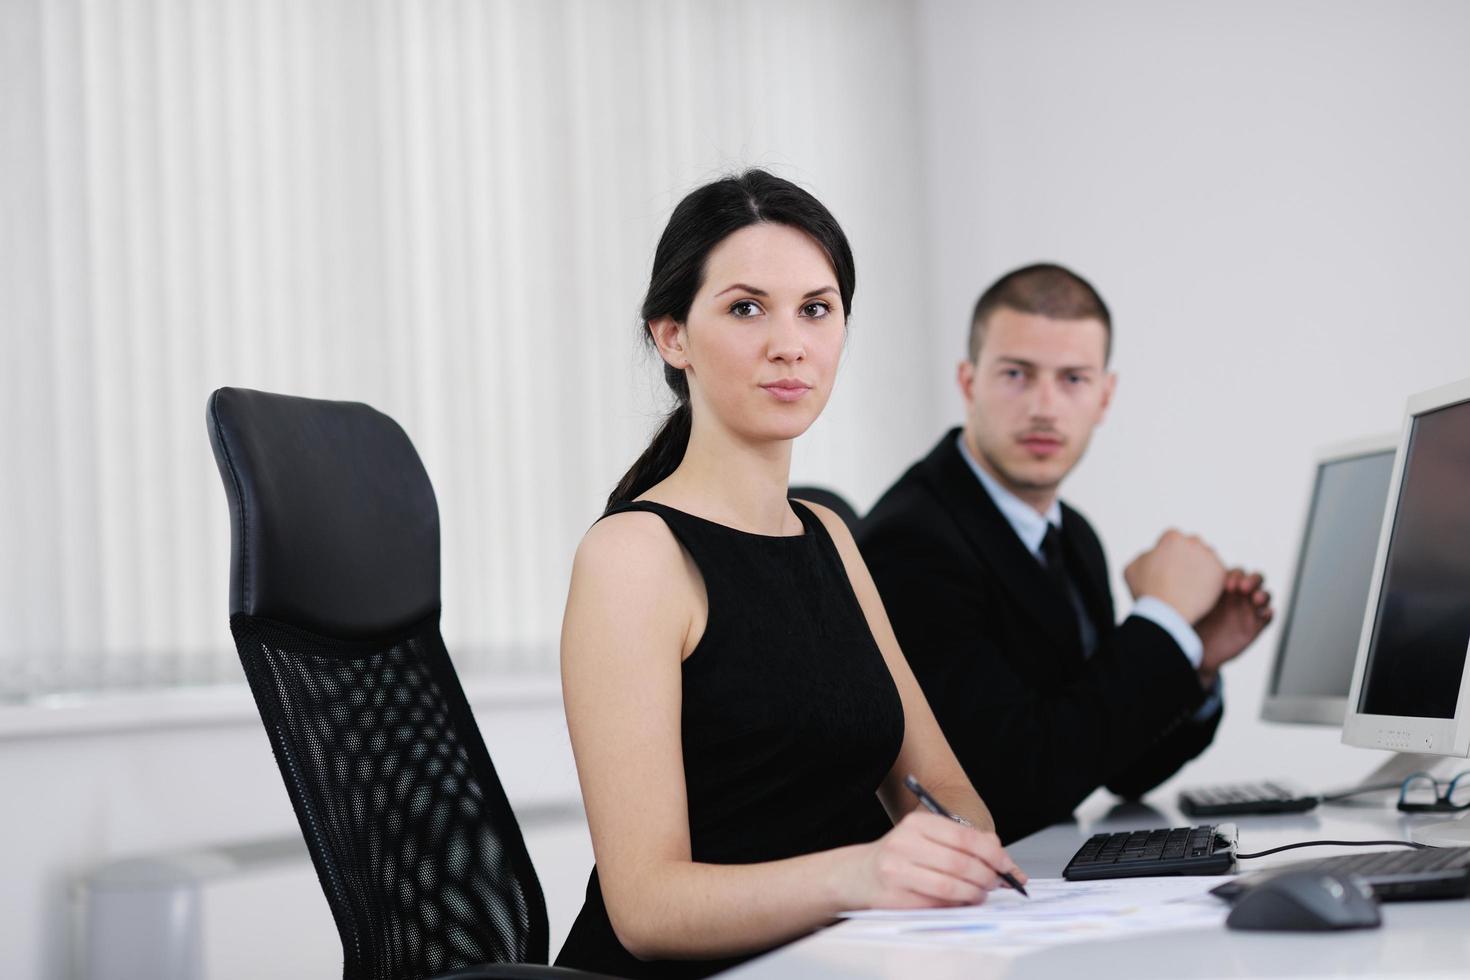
x=334, y=606
x=832, y=499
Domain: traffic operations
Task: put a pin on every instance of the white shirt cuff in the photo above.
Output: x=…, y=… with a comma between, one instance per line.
x=1168, y=619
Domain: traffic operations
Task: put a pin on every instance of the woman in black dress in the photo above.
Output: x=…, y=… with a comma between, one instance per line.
x=741, y=714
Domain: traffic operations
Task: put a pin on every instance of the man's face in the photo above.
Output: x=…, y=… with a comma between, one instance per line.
x=1032, y=398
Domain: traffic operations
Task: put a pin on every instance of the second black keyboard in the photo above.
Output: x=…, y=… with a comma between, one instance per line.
x=1394, y=876
x=1204, y=850
x=1236, y=799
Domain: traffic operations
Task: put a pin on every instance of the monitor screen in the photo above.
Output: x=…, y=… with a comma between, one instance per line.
x=1421, y=626
x=1319, y=639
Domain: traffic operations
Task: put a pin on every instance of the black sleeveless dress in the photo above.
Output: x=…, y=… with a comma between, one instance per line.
x=790, y=721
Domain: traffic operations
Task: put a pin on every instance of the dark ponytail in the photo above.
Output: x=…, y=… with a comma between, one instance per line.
x=702, y=220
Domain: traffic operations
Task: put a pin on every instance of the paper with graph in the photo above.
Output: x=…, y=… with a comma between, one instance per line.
x=1057, y=912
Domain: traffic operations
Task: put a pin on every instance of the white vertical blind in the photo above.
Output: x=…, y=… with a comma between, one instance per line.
x=444, y=208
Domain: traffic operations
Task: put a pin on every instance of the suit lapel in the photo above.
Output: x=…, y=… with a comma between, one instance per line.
x=995, y=544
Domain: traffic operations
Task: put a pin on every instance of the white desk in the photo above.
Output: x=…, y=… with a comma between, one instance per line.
x=1417, y=939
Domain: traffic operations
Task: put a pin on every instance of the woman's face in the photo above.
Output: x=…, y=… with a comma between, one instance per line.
x=763, y=337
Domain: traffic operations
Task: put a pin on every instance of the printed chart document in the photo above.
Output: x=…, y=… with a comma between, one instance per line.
x=1057, y=912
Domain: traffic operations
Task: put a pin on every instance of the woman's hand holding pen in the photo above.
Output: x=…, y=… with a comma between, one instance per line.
x=926, y=860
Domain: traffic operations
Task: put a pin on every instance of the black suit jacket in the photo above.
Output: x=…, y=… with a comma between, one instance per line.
x=995, y=646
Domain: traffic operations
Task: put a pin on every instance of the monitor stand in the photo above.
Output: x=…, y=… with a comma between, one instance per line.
x=1394, y=770
x=1446, y=833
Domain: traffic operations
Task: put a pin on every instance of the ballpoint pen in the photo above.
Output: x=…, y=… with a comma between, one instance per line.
x=934, y=806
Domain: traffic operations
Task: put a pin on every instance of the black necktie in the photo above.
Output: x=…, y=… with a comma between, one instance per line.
x=1055, y=560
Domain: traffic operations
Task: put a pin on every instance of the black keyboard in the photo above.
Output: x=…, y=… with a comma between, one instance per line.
x=1395, y=876
x=1241, y=798
x=1151, y=853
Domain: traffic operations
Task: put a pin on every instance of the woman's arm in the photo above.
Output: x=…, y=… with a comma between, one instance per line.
x=925, y=752
x=636, y=607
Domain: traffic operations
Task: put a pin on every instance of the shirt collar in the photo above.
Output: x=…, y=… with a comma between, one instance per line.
x=1029, y=526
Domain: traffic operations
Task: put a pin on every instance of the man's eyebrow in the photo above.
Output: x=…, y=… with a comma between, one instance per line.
x=1070, y=369
x=761, y=292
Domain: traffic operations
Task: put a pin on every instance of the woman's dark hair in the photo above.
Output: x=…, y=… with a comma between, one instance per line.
x=702, y=220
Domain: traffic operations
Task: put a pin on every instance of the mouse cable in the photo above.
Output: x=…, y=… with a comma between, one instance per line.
x=1326, y=843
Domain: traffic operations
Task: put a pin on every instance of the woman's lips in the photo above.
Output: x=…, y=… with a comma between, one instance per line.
x=787, y=391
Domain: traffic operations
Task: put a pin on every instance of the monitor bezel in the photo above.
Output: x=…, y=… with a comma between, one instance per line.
x=1436, y=736
x=1315, y=710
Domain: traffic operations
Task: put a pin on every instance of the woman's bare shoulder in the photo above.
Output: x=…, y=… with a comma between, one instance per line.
x=628, y=553
x=630, y=593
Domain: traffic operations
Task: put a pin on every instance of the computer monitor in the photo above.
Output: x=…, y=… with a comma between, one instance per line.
x=1318, y=641
x=1411, y=688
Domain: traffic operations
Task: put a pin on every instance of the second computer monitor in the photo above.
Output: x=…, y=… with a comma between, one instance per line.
x=1334, y=568
x=1411, y=688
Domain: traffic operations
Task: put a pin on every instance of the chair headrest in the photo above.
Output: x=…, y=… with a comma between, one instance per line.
x=334, y=526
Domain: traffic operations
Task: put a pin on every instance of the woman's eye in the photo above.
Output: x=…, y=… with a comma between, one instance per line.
x=745, y=308
x=816, y=310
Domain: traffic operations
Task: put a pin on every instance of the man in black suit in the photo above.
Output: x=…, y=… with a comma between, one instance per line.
x=999, y=593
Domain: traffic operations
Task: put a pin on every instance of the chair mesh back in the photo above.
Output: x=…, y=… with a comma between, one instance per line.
x=412, y=836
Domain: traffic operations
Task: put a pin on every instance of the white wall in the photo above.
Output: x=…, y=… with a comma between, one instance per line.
x=1272, y=197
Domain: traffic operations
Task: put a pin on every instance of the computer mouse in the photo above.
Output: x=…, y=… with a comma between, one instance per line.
x=1306, y=900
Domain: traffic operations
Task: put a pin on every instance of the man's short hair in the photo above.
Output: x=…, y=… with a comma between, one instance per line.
x=1044, y=289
